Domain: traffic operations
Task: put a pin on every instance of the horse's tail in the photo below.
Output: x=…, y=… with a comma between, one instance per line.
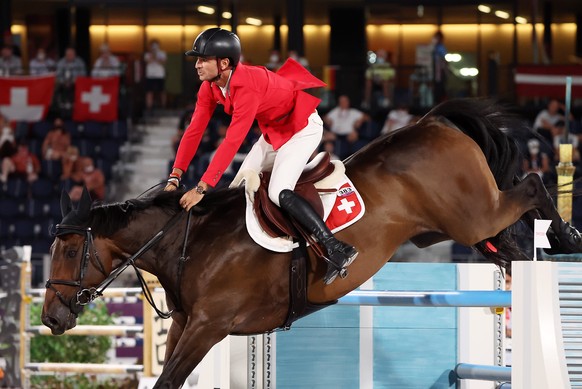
x=488, y=123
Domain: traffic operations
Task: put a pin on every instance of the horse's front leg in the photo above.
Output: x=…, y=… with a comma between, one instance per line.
x=175, y=333
x=196, y=340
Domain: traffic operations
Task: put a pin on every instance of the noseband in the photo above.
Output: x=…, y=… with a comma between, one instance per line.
x=84, y=295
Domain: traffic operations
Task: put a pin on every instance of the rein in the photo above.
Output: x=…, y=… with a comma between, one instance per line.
x=85, y=296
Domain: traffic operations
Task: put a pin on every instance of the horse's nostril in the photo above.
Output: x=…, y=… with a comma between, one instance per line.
x=50, y=322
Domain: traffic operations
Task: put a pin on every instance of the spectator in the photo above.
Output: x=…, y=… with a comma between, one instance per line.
x=381, y=74
x=9, y=41
x=397, y=118
x=440, y=68
x=329, y=146
x=68, y=161
x=41, y=64
x=7, y=138
x=274, y=61
x=68, y=69
x=10, y=63
x=344, y=122
x=23, y=164
x=56, y=142
x=301, y=59
x=86, y=174
x=107, y=65
x=538, y=162
x=155, y=74
x=550, y=121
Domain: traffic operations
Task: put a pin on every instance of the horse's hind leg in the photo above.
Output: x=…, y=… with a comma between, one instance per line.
x=530, y=198
x=564, y=238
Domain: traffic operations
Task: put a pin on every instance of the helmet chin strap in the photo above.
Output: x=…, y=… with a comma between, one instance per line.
x=215, y=79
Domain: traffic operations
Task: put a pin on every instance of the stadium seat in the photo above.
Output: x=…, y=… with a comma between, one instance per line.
x=16, y=188
x=118, y=130
x=40, y=129
x=42, y=188
x=109, y=150
x=51, y=169
x=37, y=208
x=95, y=130
x=25, y=229
x=11, y=208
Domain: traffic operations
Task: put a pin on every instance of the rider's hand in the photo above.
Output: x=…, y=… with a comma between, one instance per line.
x=193, y=196
x=173, y=182
x=170, y=187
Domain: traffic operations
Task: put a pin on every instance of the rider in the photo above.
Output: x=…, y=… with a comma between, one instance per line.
x=291, y=131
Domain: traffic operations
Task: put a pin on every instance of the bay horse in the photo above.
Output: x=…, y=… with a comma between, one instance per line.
x=450, y=176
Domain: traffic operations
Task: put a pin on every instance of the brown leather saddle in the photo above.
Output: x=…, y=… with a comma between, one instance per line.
x=272, y=219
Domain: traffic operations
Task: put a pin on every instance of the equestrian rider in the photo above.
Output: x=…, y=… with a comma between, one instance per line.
x=291, y=131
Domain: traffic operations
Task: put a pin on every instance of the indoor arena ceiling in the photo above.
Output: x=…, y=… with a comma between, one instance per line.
x=315, y=11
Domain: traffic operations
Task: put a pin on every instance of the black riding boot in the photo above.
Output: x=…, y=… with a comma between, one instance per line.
x=339, y=254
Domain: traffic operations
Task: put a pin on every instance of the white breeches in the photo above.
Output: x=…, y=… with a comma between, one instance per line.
x=288, y=162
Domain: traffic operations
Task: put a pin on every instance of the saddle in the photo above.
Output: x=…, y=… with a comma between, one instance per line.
x=272, y=219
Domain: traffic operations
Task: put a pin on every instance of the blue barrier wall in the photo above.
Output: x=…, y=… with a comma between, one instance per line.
x=413, y=347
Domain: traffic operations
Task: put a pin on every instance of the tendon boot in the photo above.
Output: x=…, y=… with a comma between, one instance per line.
x=339, y=254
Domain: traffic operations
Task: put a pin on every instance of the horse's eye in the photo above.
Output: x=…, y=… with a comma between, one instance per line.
x=72, y=253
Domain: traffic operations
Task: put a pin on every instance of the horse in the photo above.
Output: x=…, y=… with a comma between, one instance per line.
x=452, y=175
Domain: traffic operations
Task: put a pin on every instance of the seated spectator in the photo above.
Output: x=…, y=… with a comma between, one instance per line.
x=107, y=65
x=7, y=138
x=41, y=64
x=22, y=164
x=549, y=122
x=397, y=118
x=380, y=74
x=86, y=174
x=68, y=161
x=536, y=161
x=10, y=63
x=56, y=142
x=344, y=122
x=302, y=60
x=329, y=146
x=274, y=61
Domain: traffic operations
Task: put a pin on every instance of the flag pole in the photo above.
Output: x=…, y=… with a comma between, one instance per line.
x=565, y=168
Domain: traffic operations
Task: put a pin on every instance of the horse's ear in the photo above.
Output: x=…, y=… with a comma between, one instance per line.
x=66, y=203
x=84, y=204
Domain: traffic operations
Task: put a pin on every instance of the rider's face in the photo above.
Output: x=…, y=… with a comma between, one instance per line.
x=206, y=68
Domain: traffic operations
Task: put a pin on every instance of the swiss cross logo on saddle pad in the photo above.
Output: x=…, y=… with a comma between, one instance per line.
x=348, y=208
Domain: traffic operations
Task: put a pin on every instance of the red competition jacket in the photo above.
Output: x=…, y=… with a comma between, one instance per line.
x=276, y=100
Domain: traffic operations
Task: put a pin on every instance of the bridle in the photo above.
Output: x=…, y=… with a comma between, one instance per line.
x=86, y=295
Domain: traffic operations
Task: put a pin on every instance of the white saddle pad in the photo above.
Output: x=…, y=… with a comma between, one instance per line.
x=342, y=208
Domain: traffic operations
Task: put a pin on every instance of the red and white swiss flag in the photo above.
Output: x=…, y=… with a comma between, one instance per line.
x=96, y=99
x=348, y=208
x=26, y=98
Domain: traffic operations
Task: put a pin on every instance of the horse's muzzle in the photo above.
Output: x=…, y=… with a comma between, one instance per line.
x=58, y=324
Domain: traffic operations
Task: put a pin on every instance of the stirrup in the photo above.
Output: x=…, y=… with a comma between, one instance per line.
x=336, y=269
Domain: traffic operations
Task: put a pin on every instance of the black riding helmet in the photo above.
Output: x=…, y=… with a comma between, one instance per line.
x=217, y=42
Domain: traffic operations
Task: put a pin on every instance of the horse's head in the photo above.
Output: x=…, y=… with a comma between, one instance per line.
x=76, y=266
